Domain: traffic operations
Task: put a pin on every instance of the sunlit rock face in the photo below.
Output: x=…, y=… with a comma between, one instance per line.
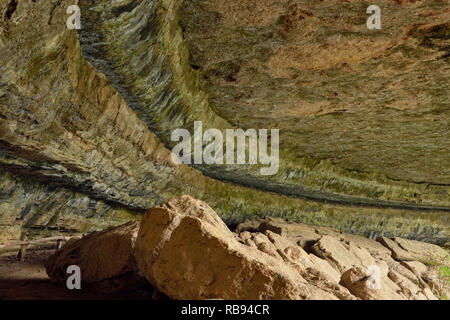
x=88, y=114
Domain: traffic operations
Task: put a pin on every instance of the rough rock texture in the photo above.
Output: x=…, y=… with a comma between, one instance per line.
x=105, y=258
x=398, y=253
x=422, y=251
x=86, y=117
x=340, y=91
x=362, y=266
x=356, y=280
x=185, y=251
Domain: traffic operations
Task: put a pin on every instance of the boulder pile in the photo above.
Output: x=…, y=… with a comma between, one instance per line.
x=185, y=251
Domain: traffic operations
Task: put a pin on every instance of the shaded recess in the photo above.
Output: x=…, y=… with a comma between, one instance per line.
x=89, y=115
x=153, y=75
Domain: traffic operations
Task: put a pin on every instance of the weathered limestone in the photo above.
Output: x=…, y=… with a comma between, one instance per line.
x=185, y=251
x=85, y=124
x=423, y=251
x=410, y=250
x=374, y=247
x=418, y=268
x=398, y=253
x=354, y=261
x=191, y=254
x=340, y=256
x=101, y=256
x=409, y=288
x=355, y=279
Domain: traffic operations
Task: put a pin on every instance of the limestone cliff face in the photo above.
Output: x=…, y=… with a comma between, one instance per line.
x=86, y=117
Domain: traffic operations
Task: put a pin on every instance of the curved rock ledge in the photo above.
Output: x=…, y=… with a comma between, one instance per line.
x=89, y=117
x=151, y=71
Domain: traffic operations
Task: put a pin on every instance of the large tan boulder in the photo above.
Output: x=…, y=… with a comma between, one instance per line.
x=101, y=256
x=187, y=252
x=324, y=267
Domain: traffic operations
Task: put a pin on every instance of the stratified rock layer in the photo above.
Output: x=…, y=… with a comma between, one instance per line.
x=366, y=100
x=86, y=117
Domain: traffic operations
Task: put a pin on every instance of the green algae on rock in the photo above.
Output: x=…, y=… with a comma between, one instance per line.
x=89, y=115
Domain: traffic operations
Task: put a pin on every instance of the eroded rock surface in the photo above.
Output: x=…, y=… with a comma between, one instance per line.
x=368, y=269
x=185, y=251
x=105, y=259
x=86, y=117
